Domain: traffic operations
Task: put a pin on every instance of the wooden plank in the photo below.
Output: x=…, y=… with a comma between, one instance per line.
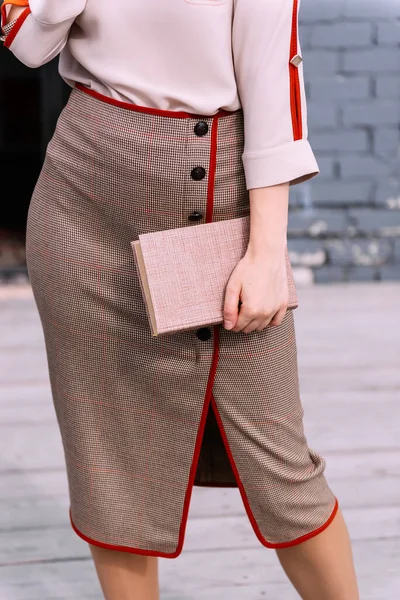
x=230, y=573
x=328, y=429
x=357, y=379
x=33, y=512
x=31, y=447
x=203, y=534
x=28, y=335
x=18, y=395
x=26, y=484
x=256, y=574
x=27, y=414
x=34, y=508
x=351, y=495
x=74, y=580
x=23, y=365
x=332, y=428
x=380, y=467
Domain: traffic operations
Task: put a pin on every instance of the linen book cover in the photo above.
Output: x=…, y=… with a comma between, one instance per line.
x=184, y=271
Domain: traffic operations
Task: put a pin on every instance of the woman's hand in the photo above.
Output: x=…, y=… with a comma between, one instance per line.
x=260, y=283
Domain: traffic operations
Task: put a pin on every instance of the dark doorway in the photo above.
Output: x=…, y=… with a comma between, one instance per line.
x=30, y=102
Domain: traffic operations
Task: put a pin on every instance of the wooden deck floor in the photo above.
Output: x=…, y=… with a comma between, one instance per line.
x=349, y=352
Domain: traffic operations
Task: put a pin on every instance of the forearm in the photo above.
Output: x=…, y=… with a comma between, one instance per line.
x=268, y=219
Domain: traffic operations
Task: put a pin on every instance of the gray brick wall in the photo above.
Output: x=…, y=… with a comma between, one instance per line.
x=344, y=225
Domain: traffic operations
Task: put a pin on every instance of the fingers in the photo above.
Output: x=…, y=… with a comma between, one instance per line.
x=231, y=304
x=278, y=318
x=251, y=320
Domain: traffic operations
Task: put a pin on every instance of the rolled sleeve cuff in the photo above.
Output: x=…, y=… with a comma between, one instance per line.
x=11, y=29
x=293, y=162
x=7, y=28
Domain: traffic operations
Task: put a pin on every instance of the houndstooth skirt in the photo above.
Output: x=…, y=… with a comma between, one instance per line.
x=144, y=418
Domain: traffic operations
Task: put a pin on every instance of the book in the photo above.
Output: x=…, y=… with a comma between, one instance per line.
x=184, y=271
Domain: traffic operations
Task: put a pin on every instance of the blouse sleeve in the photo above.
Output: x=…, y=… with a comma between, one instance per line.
x=269, y=74
x=41, y=31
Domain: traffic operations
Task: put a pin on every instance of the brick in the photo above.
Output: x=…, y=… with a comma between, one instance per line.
x=397, y=250
x=390, y=272
x=341, y=35
x=317, y=222
x=303, y=276
x=363, y=274
x=312, y=11
x=342, y=193
x=388, y=86
x=321, y=115
x=293, y=197
x=389, y=33
x=384, y=223
x=375, y=60
x=339, y=87
x=359, y=252
x=367, y=166
x=375, y=112
x=386, y=142
x=371, y=9
x=327, y=167
x=329, y=274
x=388, y=195
x=301, y=195
x=340, y=141
x=320, y=61
x=305, y=32
x=306, y=252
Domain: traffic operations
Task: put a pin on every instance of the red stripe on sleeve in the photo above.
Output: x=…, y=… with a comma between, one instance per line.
x=295, y=91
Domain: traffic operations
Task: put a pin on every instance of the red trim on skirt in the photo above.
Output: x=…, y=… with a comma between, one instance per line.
x=150, y=111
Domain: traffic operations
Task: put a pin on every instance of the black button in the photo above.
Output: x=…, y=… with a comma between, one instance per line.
x=204, y=333
x=201, y=128
x=198, y=173
x=195, y=216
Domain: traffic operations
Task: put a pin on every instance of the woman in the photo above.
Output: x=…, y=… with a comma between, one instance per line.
x=182, y=112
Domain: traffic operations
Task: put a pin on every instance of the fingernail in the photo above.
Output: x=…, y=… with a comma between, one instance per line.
x=228, y=325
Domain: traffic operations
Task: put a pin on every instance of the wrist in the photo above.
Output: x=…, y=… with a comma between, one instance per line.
x=267, y=236
x=268, y=220
x=275, y=247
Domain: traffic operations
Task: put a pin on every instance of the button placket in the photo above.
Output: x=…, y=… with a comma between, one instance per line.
x=199, y=152
x=198, y=173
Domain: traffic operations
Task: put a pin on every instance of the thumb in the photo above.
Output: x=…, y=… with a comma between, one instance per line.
x=231, y=304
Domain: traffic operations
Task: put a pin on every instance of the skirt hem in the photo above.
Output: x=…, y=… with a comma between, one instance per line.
x=159, y=554
x=209, y=400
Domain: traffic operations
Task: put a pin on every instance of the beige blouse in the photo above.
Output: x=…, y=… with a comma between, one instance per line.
x=196, y=56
